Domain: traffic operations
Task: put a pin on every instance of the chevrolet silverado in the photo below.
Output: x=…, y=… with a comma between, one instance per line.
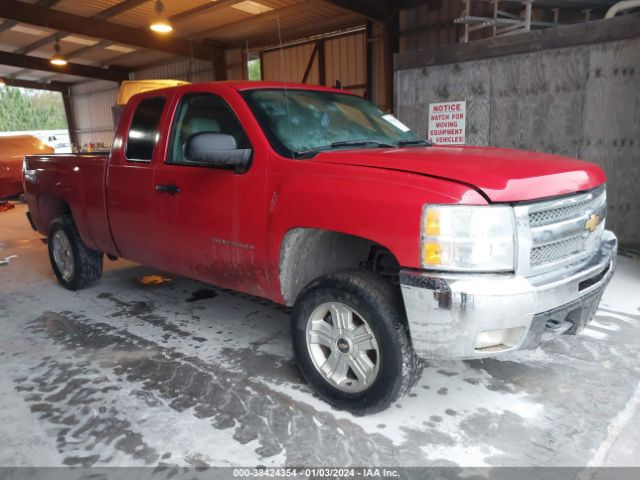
x=389, y=249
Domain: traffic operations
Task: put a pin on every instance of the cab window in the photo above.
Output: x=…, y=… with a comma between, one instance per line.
x=202, y=112
x=143, y=132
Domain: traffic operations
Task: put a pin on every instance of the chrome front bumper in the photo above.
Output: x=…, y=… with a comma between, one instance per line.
x=447, y=312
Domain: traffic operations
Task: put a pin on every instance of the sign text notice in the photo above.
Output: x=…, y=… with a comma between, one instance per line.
x=447, y=123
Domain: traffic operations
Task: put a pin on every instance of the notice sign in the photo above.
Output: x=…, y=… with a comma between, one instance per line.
x=446, y=123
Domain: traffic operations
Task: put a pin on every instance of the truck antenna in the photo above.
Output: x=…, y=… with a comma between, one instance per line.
x=282, y=74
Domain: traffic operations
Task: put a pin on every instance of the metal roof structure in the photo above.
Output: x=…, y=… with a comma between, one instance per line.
x=106, y=39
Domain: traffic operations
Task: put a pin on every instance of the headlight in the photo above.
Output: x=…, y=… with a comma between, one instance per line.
x=459, y=237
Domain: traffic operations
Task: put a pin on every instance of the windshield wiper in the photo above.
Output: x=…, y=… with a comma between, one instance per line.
x=345, y=143
x=405, y=143
x=356, y=143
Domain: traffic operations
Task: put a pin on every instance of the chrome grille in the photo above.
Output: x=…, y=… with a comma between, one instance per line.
x=546, y=217
x=556, y=250
x=555, y=233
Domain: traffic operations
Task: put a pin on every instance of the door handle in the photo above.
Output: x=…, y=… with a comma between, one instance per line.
x=170, y=189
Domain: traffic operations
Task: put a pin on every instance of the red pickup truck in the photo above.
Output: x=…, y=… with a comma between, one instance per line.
x=389, y=249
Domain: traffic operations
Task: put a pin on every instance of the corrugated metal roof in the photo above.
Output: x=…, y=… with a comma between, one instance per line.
x=215, y=20
x=222, y=24
x=84, y=8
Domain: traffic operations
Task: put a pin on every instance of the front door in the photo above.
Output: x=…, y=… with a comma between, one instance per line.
x=211, y=221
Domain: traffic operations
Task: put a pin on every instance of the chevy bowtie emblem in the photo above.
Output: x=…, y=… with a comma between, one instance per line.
x=592, y=223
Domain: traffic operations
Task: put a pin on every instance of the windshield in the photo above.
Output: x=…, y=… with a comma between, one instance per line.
x=300, y=123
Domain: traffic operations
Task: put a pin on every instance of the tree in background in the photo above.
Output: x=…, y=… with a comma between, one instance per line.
x=253, y=69
x=26, y=109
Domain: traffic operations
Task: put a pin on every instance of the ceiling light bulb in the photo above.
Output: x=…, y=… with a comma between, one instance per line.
x=160, y=24
x=58, y=59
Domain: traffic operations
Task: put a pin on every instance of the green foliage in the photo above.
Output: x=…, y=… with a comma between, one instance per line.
x=24, y=109
x=253, y=67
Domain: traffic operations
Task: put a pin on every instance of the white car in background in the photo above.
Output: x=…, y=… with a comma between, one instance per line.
x=59, y=140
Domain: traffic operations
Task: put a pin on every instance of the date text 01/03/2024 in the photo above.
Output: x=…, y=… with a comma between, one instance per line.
x=315, y=472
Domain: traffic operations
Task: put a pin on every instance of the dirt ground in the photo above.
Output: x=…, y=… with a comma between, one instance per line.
x=125, y=374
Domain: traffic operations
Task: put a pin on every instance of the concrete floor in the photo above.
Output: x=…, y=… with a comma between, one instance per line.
x=187, y=374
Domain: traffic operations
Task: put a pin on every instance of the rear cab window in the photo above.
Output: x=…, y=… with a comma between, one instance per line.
x=143, y=131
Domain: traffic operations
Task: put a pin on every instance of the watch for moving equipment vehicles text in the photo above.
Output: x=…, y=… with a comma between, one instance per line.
x=388, y=248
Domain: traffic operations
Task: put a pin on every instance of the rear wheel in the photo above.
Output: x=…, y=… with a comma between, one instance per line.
x=74, y=265
x=351, y=342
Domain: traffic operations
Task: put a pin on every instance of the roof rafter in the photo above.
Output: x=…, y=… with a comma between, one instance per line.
x=269, y=16
x=119, y=8
x=177, y=17
x=96, y=28
x=52, y=86
x=373, y=9
x=207, y=7
x=8, y=24
x=112, y=73
x=107, y=13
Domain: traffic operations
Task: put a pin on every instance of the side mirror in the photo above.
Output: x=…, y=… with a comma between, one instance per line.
x=217, y=149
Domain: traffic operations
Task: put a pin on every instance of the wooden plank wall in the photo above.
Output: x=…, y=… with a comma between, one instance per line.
x=581, y=101
x=611, y=130
x=429, y=24
x=345, y=61
x=288, y=64
x=380, y=93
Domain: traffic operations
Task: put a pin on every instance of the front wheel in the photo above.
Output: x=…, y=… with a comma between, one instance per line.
x=74, y=265
x=351, y=343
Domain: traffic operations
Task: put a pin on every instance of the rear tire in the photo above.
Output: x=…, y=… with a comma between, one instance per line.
x=351, y=342
x=74, y=265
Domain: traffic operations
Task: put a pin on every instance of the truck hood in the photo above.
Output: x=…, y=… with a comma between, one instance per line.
x=502, y=175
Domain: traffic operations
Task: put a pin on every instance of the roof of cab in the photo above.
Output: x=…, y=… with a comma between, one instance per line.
x=252, y=85
x=255, y=84
x=242, y=85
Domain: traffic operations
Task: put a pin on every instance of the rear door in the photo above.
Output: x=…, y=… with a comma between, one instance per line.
x=211, y=220
x=130, y=189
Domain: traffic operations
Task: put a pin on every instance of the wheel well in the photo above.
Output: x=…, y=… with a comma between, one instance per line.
x=309, y=253
x=50, y=208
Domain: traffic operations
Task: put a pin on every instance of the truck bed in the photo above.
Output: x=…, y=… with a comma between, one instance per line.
x=70, y=182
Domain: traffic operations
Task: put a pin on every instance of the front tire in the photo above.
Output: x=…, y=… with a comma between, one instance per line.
x=351, y=342
x=74, y=265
